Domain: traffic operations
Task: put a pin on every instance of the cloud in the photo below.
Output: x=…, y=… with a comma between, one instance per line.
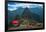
x=23, y=5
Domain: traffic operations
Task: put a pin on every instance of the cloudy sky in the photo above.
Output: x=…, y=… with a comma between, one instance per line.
x=13, y=6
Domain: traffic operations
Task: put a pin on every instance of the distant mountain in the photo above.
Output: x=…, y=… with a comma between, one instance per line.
x=20, y=10
x=12, y=14
x=37, y=17
x=37, y=10
x=36, y=13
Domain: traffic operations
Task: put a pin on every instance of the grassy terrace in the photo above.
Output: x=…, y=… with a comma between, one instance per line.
x=28, y=24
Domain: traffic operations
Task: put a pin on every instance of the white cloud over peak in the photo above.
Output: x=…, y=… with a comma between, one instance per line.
x=23, y=5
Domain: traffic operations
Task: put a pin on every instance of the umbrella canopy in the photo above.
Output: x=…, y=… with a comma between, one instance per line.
x=15, y=22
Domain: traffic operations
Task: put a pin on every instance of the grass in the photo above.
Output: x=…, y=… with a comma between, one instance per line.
x=26, y=23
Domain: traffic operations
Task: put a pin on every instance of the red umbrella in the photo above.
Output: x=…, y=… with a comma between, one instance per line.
x=15, y=22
